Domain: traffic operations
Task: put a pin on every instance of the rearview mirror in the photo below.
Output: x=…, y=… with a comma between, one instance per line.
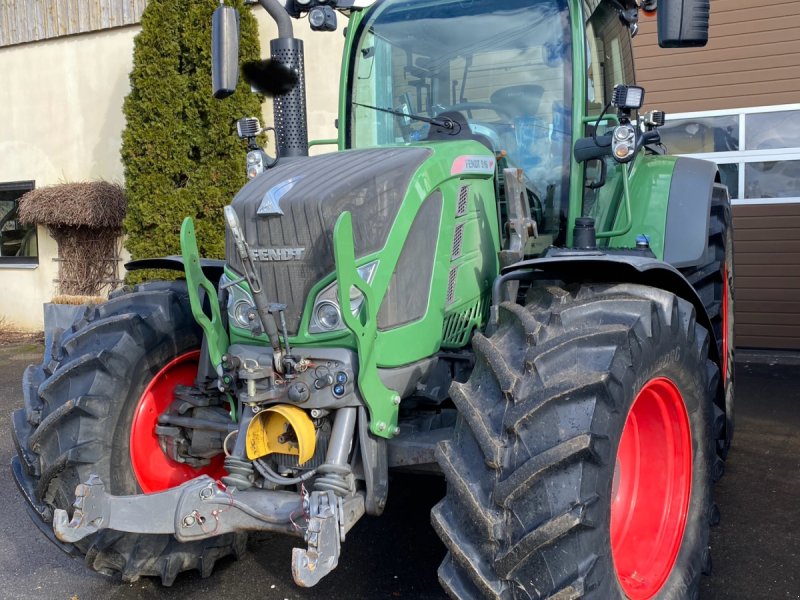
x=224, y=51
x=683, y=23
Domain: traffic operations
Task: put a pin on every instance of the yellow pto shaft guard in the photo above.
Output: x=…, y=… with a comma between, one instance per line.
x=281, y=429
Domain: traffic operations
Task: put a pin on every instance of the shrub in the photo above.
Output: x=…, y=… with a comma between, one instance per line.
x=179, y=149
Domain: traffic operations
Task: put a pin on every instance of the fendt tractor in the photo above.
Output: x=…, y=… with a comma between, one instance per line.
x=500, y=277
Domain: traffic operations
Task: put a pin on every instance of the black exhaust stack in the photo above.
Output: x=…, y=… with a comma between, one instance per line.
x=289, y=110
x=291, y=124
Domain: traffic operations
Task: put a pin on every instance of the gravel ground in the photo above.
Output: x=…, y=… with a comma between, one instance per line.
x=756, y=549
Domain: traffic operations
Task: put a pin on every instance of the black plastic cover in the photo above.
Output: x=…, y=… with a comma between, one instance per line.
x=406, y=300
x=688, y=212
x=683, y=23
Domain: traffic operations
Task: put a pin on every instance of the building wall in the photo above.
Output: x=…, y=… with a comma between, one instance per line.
x=736, y=102
x=61, y=121
x=767, y=241
x=752, y=59
x=23, y=21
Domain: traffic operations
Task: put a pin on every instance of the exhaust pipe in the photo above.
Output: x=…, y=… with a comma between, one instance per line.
x=291, y=123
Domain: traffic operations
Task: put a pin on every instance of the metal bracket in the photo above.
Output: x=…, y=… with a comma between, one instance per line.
x=329, y=518
x=521, y=227
x=383, y=403
x=213, y=328
x=198, y=509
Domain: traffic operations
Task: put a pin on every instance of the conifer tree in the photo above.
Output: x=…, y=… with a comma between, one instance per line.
x=179, y=149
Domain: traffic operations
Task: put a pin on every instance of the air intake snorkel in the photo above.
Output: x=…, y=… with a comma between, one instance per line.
x=281, y=77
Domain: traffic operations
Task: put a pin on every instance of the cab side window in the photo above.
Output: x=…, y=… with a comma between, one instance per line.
x=609, y=63
x=609, y=57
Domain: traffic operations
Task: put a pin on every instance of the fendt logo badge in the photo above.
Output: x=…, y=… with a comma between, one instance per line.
x=271, y=203
x=276, y=254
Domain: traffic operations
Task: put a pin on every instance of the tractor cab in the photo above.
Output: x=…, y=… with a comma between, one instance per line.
x=501, y=71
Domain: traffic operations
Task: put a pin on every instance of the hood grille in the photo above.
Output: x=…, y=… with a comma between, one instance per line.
x=371, y=184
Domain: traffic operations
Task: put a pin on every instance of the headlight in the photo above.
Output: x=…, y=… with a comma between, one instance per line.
x=327, y=302
x=240, y=304
x=327, y=315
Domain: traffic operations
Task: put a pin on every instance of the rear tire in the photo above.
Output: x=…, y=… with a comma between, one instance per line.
x=79, y=408
x=714, y=283
x=531, y=468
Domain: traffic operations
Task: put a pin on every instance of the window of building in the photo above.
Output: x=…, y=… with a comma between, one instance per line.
x=757, y=149
x=18, y=243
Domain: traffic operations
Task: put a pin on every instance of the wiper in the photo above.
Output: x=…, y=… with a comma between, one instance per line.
x=445, y=123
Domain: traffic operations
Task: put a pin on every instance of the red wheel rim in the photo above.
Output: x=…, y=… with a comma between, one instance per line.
x=724, y=357
x=154, y=470
x=651, y=489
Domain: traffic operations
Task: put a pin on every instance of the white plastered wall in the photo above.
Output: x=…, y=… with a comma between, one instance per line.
x=61, y=121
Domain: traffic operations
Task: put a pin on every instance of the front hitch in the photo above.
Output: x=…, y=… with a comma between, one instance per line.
x=203, y=508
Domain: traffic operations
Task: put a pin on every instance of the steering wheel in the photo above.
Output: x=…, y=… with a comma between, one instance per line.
x=468, y=107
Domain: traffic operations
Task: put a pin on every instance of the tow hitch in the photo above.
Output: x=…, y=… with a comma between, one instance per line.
x=203, y=508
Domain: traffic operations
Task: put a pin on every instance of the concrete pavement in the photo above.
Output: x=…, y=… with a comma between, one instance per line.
x=756, y=549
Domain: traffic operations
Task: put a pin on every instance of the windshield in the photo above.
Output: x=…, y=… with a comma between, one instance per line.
x=504, y=66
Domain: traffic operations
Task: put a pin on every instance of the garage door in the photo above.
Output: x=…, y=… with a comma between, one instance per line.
x=767, y=259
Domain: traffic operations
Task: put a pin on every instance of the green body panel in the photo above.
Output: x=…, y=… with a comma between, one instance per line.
x=649, y=184
x=213, y=328
x=477, y=264
x=383, y=403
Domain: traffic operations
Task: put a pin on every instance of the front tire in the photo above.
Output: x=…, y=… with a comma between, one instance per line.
x=111, y=372
x=531, y=469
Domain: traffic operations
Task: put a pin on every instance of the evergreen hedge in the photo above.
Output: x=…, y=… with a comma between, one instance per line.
x=179, y=149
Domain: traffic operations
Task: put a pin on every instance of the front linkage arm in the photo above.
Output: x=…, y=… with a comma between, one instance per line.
x=202, y=508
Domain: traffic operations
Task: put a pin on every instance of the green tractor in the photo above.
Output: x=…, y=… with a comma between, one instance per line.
x=499, y=276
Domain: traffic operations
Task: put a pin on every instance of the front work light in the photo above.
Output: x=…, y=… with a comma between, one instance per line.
x=628, y=97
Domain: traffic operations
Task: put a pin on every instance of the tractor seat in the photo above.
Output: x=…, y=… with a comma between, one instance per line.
x=519, y=100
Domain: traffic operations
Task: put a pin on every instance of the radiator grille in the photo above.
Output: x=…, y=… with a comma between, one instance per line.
x=459, y=326
x=463, y=201
x=451, y=285
x=458, y=238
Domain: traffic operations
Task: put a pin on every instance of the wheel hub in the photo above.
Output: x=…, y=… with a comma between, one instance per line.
x=154, y=470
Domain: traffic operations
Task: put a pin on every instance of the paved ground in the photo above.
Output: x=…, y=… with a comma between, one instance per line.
x=756, y=549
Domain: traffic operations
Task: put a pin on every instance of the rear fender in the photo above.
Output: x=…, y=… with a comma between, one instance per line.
x=688, y=212
x=571, y=266
x=212, y=268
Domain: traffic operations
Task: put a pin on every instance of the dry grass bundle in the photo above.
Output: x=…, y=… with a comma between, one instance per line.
x=96, y=204
x=87, y=259
x=78, y=300
x=85, y=219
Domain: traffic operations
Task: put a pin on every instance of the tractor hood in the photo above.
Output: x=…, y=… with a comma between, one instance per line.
x=288, y=214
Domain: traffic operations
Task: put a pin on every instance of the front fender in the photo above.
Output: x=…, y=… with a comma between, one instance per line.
x=572, y=266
